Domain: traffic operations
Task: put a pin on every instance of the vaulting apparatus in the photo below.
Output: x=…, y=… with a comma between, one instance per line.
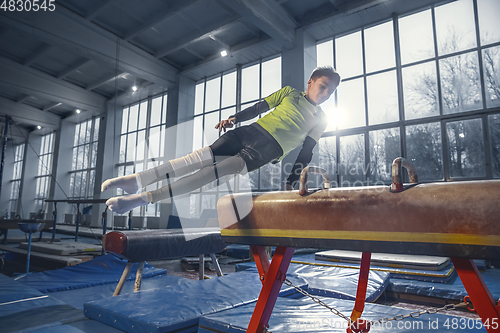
x=460, y=220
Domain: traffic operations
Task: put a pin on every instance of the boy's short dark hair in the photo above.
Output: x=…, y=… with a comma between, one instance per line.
x=327, y=71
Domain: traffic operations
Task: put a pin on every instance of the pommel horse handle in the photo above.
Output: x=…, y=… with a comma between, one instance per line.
x=313, y=169
x=397, y=181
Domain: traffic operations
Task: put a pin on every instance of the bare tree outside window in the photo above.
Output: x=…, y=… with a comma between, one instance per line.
x=420, y=91
x=466, y=150
x=491, y=63
x=424, y=149
x=328, y=156
x=494, y=122
x=385, y=146
x=352, y=166
x=460, y=84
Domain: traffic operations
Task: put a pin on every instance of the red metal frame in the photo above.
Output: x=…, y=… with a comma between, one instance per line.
x=272, y=276
x=481, y=298
x=359, y=305
x=364, y=272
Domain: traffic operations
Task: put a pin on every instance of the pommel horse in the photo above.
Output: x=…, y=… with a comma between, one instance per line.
x=142, y=245
x=460, y=220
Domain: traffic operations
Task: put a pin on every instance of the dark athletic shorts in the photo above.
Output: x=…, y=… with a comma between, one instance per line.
x=252, y=143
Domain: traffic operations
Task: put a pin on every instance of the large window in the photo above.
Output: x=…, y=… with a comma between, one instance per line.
x=84, y=159
x=257, y=82
x=425, y=86
x=16, y=179
x=217, y=99
x=142, y=142
x=44, y=173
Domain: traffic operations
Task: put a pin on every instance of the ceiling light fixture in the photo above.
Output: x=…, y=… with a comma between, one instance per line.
x=223, y=53
x=39, y=127
x=78, y=111
x=134, y=88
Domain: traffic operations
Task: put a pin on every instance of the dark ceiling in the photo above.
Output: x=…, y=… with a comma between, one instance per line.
x=85, y=54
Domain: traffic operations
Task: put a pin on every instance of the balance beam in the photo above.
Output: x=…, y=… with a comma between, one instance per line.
x=142, y=245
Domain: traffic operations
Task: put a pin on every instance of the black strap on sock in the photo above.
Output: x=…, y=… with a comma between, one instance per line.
x=215, y=169
x=169, y=187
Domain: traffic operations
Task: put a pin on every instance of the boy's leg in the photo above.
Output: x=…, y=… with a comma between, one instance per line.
x=173, y=168
x=227, y=144
x=178, y=167
x=230, y=165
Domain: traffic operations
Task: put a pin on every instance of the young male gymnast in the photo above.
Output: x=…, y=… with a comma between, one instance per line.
x=296, y=120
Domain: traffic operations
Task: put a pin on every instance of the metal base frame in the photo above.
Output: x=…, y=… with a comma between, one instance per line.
x=480, y=296
x=273, y=274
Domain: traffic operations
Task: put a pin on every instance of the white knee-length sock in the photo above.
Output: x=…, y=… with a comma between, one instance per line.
x=173, y=168
x=178, y=167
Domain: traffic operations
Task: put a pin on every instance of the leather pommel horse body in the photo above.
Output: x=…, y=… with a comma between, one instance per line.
x=142, y=245
x=460, y=220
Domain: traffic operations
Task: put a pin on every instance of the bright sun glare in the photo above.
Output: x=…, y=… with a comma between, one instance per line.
x=336, y=118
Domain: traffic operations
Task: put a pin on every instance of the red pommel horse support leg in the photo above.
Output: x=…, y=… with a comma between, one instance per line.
x=359, y=325
x=480, y=296
x=272, y=276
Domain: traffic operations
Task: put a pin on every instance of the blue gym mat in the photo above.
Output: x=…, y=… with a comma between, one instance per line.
x=102, y=270
x=455, y=290
x=334, y=281
x=303, y=315
x=241, y=251
x=22, y=307
x=78, y=297
x=442, y=276
x=16, y=297
x=178, y=308
x=82, y=326
x=237, y=251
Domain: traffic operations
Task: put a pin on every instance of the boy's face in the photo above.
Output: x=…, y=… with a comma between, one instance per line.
x=320, y=89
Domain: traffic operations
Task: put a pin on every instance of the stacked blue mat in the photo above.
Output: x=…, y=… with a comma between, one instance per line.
x=445, y=275
x=444, y=284
x=335, y=282
x=454, y=290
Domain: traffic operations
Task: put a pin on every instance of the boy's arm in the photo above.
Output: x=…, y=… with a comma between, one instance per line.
x=301, y=162
x=251, y=112
x=269, y=102
x=247, y=114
